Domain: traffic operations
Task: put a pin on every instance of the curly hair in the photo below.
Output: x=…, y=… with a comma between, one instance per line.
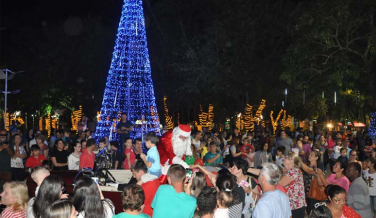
x=132, y=198
x=206, y=201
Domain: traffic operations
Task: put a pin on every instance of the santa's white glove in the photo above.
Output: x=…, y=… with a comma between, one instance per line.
x=178, y=160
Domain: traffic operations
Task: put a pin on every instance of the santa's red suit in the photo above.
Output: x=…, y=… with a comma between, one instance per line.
x=173, y=149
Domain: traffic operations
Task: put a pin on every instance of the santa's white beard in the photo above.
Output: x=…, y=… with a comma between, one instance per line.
x=181, y=147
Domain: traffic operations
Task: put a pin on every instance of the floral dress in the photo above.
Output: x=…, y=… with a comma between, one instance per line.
x=296, y=190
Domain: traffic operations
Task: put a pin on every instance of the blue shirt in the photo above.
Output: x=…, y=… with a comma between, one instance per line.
x=273, y=204
x=209, y=155
x=169, y=204
x=153, y=157
x=124, y=215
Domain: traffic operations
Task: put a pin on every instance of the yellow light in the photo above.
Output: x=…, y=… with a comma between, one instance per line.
x=329, y=125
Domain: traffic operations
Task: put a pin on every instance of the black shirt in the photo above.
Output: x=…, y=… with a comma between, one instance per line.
x=61, y=157
x=127, y=124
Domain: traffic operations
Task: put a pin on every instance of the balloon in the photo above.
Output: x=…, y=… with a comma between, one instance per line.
x=199, y=161
x=190, y=160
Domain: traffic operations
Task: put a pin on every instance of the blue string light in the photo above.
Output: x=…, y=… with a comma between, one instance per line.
x=129, y=87
x=372, y=127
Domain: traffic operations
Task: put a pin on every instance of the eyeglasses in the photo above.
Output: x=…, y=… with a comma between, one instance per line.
x=3, y=134
x=354, y=155
x=340, y=200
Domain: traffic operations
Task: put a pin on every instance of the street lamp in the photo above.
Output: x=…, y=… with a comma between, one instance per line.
x=7, y=77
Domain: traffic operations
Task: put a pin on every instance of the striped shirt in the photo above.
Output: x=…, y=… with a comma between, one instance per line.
x=9, y=213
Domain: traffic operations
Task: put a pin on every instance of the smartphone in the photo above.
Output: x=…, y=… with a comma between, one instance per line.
x=189, y=175
x=95, y=179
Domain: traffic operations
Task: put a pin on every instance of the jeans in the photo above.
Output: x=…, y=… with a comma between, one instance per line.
x=373, y=204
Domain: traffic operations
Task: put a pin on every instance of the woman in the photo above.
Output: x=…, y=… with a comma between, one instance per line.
x=198, y=181
x=50, y=191
x=59, y=156
x=337, y=203
x=235, y=153
x=74, y=158
x=39, y=139
x=313, y=157
x=294, y=179
x=262, y=156
x=353, y=157
x=28, y=137
x=337, y=178
x=61, y=209
x=15, y=197
x=246, y=187
x=89, y=201
x=16, y=163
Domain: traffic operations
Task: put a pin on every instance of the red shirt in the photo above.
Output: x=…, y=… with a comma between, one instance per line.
x=150, y=188
x=32, y=162
x=87, y=160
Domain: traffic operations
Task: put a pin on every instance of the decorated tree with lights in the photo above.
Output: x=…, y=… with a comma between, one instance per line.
x=129, y=86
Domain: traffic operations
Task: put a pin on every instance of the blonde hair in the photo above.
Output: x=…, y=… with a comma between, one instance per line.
x=20, y=192
x=296, y=159
x=225, y=198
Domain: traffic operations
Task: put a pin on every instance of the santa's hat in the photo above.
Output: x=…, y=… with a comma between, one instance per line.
x=183, y=130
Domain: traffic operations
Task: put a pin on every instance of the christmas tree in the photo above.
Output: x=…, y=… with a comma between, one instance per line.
x=129, y=86
x=372, y=127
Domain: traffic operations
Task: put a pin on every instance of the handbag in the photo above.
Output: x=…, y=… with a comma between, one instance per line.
x=316, y=191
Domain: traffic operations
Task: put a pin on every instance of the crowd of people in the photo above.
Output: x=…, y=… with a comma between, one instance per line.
x=296, y=174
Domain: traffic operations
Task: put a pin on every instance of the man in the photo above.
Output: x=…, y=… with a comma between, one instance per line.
x=358, y=195
x=38, y=175
x=87, y=158
x=170, y=201
x=285, y=142
x=150, y=188
x=34, y=140
x=138, y=148
x=273, y=203
x=124, y=128
x=174, y=145
x=6, y=153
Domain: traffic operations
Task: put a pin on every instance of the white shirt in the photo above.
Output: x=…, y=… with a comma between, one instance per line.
x=221, y=213
x=17, y=162
x=74, y=162
x=370, y=180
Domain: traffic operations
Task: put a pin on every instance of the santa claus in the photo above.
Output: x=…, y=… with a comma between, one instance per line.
x=175, y=145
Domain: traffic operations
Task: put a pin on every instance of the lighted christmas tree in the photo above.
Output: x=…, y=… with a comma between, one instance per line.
x=372, y=127
x=129, y=86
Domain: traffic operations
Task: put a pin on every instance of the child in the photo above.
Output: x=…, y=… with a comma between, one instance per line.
x=132, y=200
x=337, y=149
x=280, y=154
x=101, y=146
x=115, y=155
x=203, y=148
x=224, y=201
x=152, y=160
x=35, y=159
x=365, y=167
x=130, y=156
x=343, y=156
x=370, y=178
x=206, y=202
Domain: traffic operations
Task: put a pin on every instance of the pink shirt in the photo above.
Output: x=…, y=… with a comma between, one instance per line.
x=343, y=181
x=132, y=158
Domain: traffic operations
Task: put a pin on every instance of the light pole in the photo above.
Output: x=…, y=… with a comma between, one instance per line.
x=6, y=77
